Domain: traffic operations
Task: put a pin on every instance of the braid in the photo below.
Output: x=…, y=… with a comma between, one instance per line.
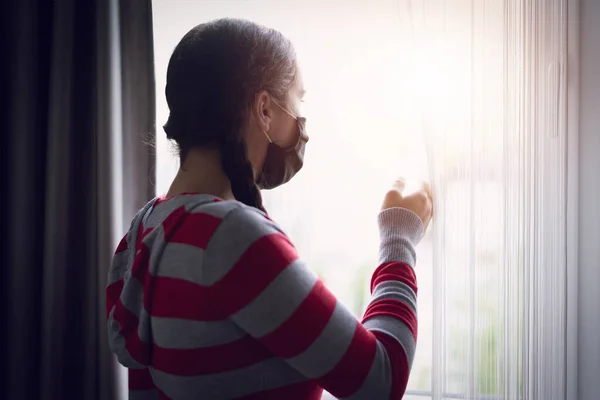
x=238, y=169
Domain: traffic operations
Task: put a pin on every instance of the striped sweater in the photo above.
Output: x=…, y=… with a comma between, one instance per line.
x=207, y=299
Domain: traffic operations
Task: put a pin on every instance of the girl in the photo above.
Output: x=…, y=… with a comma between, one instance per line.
x=207, y=298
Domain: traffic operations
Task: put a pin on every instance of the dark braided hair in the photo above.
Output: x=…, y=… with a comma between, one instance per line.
x=213, y=76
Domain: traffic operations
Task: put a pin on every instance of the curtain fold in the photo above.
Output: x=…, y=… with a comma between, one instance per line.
x=138, y=96
x=76, y=120
x=494, y=119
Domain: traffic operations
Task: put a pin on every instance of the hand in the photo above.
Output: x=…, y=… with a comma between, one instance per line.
x=420, y=202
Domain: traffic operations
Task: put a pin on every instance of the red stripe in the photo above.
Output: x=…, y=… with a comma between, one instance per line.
x=251, y=274
x=122, y=245
x=394, y=271
x=351, y=371
x=136, y=348
x=189, y=362
x=141, y=234
x=174, y=218
x=113, y=292
x=177, y=298
x=140, y=379
x=398, y=362
x=304, y=326
x=195, y=229
x=307, y=390
x=159, y=200
x=395, y=309
x=162, y=395
x=209, y=360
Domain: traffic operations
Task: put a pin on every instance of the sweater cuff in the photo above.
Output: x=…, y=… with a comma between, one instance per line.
x=400, y=231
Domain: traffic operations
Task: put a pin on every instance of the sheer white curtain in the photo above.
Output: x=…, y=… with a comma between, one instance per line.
x=468, y=94
x=494, y=117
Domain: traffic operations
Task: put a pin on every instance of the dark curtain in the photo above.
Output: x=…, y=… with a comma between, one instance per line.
x=78, y=84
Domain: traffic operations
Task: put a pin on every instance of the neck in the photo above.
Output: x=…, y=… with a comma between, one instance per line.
x=201, y=172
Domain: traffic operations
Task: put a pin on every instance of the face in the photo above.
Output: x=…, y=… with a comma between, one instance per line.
x=267, y=117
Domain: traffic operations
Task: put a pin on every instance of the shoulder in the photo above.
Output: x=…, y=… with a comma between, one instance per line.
x=190, y=206
x=243, y=222
x=209, y=222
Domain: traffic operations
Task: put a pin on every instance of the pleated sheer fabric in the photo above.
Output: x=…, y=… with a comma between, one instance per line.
x=495, y=131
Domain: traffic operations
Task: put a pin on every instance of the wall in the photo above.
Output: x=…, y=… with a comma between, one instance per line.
x=589, y=201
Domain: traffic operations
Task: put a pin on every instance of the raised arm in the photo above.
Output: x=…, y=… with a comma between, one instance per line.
x=281, y=303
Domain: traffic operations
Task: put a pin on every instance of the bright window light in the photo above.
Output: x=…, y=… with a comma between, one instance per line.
x=364, y=125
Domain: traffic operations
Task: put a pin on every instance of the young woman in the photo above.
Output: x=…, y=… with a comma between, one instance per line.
x=207, y=298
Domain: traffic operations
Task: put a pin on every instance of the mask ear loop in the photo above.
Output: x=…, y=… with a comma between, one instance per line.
x=267, y=135
x=291, y=115
x=288, y=112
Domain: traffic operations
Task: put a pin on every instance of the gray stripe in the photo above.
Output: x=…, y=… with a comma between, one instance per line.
x=395, y=290
x=117, y=343
x=219, y=209
x=274, y=305
x=184, y=261
x=232, y=238
x=192, y=203
x=133, y=232
x=162, y=210
x=269, y=374
x=132, y=298
x=327, y=350
x=174, y=333
x=397, y=249
x=156, y=243
x=143, y=395
x=400, y=230
x=396, y=329
x=156, y=236
x=118, y=267
x=378, y=382
x=122, y=262
x=132, y=295
x=144, y=326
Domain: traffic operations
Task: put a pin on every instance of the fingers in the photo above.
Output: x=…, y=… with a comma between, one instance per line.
x=427, y=189
x=399, y=184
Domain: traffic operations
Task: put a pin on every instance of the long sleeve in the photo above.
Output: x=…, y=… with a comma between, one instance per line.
x=266, y=290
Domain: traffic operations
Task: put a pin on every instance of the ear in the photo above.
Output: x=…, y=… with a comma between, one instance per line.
x=263, y=110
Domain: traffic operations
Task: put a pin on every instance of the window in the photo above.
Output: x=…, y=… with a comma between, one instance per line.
x=467, y=96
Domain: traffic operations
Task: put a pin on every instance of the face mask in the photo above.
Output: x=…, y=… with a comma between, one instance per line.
x=281, y=164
